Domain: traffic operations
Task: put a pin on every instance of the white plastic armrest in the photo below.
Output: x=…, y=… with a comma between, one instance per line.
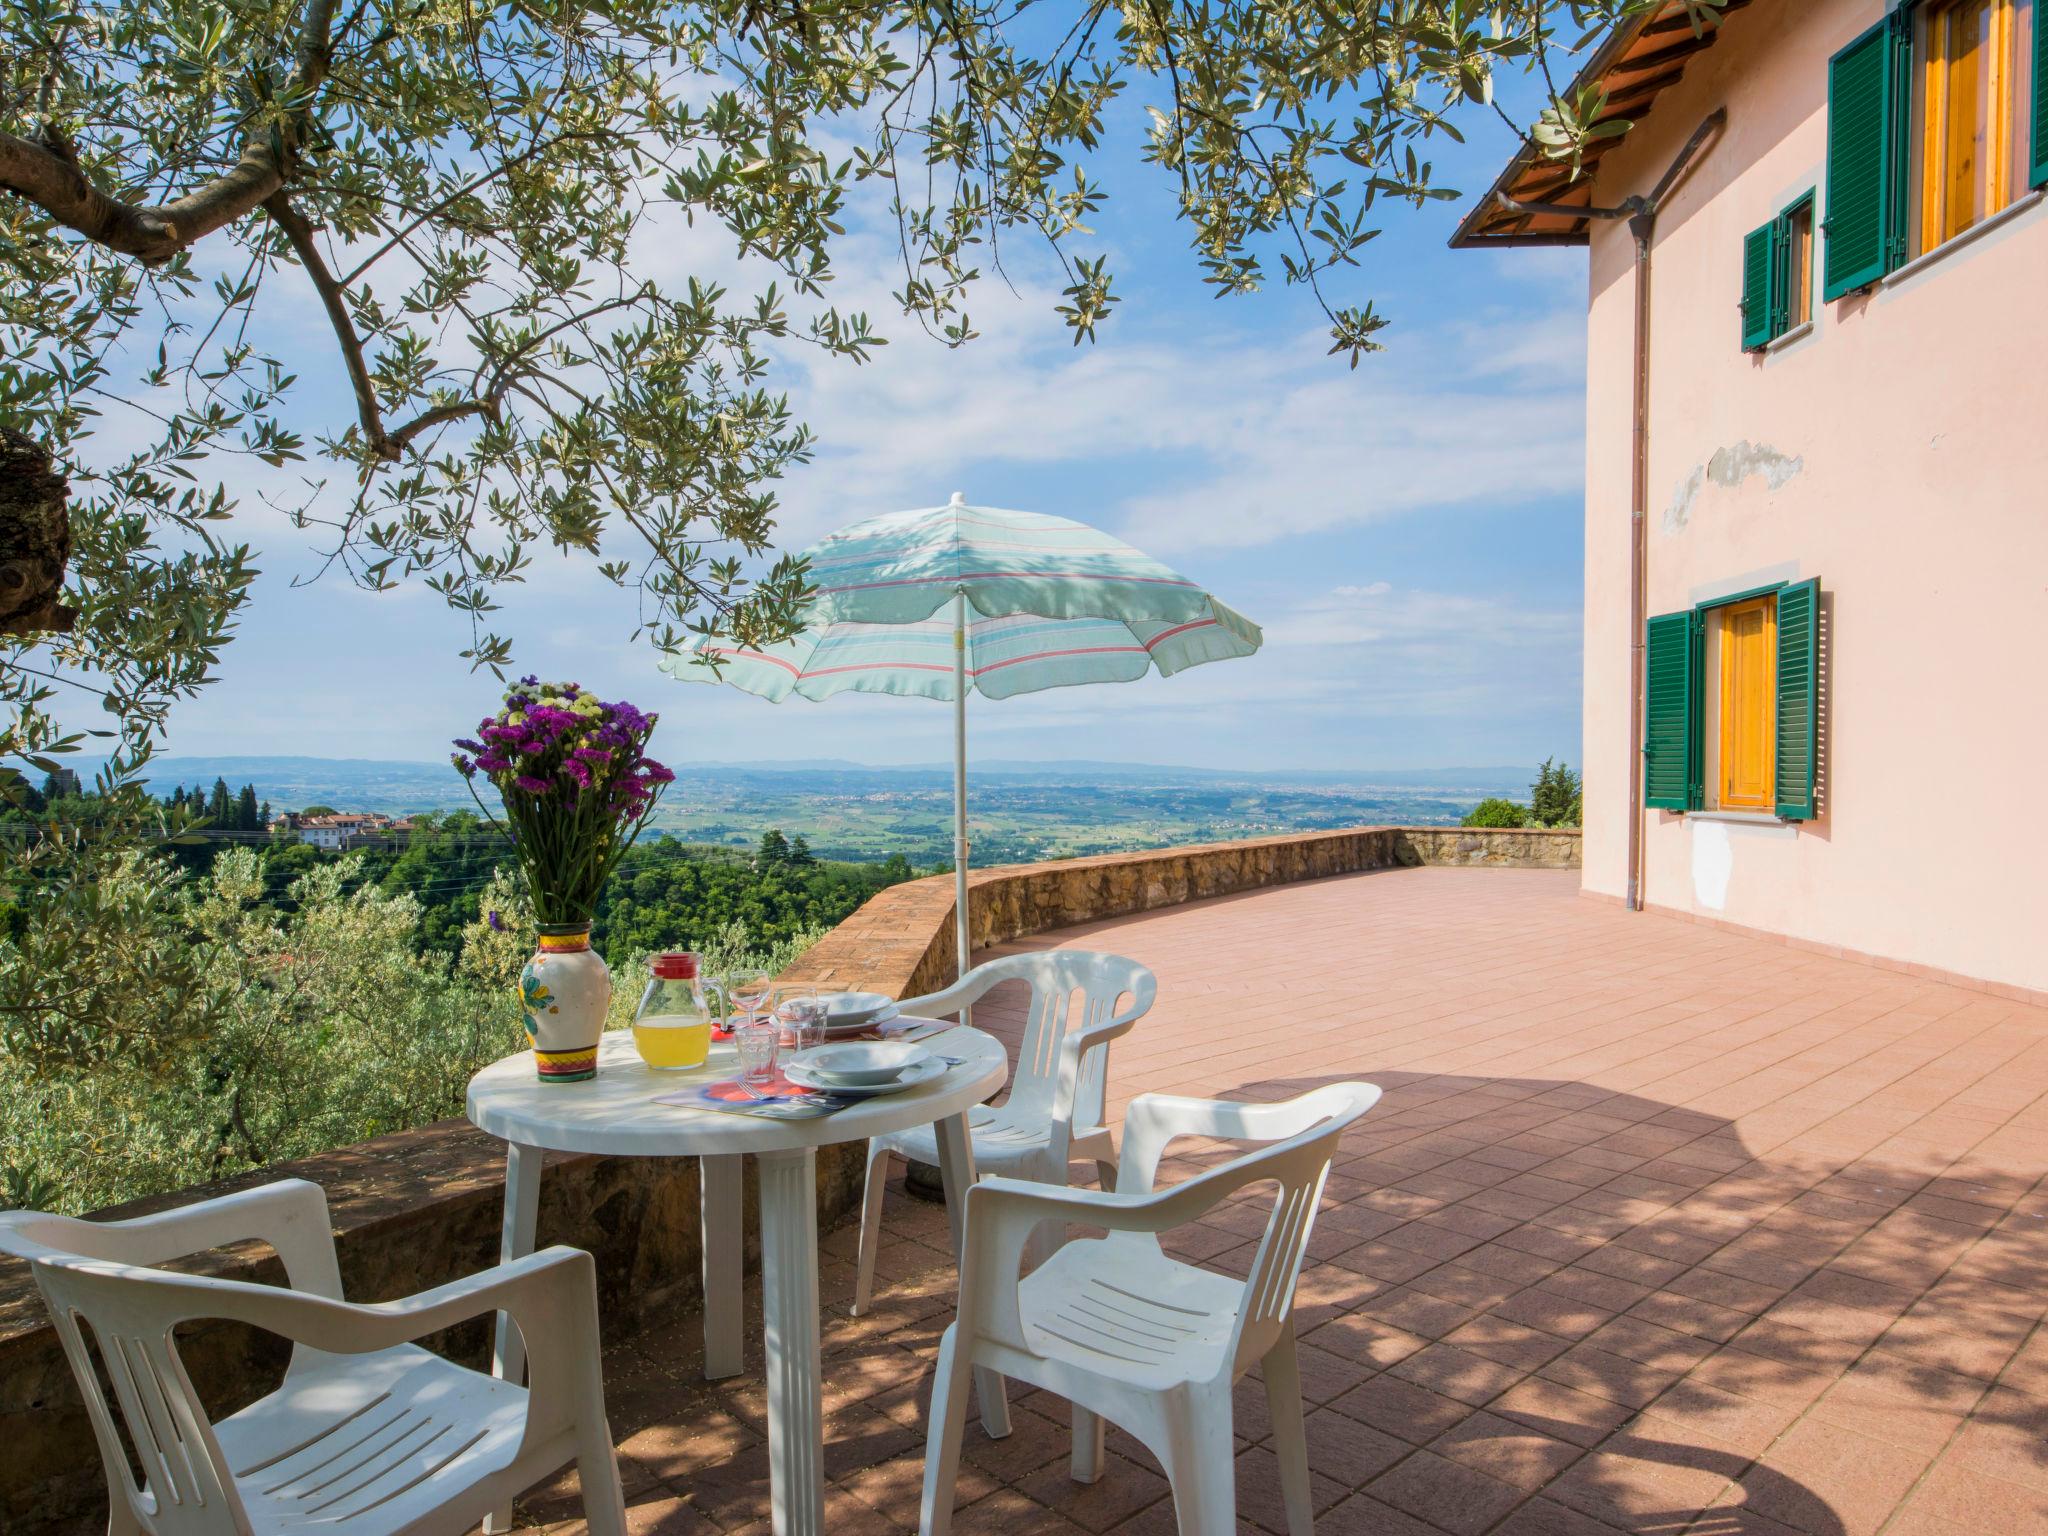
x=545, y=1292
x=1080, y=1042
x=1023, y=1203
x=559, y=1279
x=949, y=1000
x=552, y=1295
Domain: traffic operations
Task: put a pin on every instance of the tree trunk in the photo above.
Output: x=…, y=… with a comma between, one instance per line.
x=35, y=538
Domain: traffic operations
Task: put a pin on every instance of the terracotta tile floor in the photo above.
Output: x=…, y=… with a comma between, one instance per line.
x=1657, y=1229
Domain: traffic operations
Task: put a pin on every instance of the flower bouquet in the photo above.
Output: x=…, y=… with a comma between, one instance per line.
x=577, y=788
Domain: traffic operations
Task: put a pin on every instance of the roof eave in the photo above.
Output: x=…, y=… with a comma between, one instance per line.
x=1617, y=42
x=1611, y=54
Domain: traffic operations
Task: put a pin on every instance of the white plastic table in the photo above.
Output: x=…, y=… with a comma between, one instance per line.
x=614, y=1114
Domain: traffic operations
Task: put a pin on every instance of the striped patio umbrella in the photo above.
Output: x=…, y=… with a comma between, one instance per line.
x=932, y=604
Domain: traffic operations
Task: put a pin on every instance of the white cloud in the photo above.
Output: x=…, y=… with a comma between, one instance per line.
x=1245, y=439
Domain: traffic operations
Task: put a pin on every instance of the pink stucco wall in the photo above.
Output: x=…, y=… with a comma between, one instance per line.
x=1908, y=439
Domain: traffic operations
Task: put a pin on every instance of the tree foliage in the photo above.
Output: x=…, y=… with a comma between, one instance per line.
x=485, y=201
x=1555, y=799
x=477, y=197
x=335, y=1016
x=1496, y=812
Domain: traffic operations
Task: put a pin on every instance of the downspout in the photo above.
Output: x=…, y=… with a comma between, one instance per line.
x=1641, y=213
x=1642, y=226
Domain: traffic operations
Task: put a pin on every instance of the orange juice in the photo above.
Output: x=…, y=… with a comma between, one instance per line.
x=672, y=1042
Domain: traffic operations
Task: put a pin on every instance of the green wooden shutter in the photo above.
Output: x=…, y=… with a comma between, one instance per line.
x=1671, y=748
x=1898, y=192
x=1798, y=698
x=1864, y=126
x=1759, y=287
x=2039, y=178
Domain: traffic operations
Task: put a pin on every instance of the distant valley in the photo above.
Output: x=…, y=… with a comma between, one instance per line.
x=1021, y=810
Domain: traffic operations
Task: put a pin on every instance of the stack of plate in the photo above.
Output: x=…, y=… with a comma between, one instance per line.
x=863, y=1071
x=848, y=1013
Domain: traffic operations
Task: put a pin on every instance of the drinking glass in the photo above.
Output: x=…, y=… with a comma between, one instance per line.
x=801, y=1013
x=754, y=1041
x=747, y=988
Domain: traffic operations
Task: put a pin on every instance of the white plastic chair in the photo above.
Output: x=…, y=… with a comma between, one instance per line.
x=1055, y=1110
x=1124, y=1332
x=368, y=1435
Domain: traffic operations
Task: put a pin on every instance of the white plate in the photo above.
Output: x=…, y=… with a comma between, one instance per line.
x=855, y=1007
x=860, y=1062
x=855, y=1026
x=915, y=1075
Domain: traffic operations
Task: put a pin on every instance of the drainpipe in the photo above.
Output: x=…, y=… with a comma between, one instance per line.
x=1641, y=213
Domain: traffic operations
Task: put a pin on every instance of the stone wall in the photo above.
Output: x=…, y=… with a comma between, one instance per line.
x=1507, y=847
x=902, y=942
x=415, y=1209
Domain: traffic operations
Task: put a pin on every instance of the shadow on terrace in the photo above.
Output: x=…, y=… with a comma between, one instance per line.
x=1657, y=1229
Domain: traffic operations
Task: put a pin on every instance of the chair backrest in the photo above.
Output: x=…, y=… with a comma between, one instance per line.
x=1057, y=978
x=99, y=1273
x=1300, y=1138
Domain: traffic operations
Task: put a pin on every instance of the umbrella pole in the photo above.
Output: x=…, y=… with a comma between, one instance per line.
x=960, y=928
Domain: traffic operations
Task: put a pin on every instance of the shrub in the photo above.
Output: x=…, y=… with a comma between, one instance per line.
x=1554, y=797
x=332, y=1025
x=1496, y=812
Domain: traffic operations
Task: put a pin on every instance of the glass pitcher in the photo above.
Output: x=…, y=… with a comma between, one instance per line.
x=672, y=1027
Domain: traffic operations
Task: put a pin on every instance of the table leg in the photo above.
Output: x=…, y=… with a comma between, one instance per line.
x=789, y=1303
x=515, y=1241
x=956, y=1173
x=723, y=1239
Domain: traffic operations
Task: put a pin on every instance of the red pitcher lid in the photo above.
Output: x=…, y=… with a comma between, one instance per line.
x=676, y=965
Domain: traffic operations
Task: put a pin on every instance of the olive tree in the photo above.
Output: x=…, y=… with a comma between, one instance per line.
x=470, y=192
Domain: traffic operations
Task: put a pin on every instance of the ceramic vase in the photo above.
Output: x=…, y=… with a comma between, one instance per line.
x=564, y=993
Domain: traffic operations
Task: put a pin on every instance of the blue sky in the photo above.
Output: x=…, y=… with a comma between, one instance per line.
x=1408, y=533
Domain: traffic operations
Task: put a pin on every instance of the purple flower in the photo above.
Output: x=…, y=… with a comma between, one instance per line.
x=531, y=785
x=497, y=923
x=492, y=762
x=463, y=765
x=551, y=718
x=575, y=770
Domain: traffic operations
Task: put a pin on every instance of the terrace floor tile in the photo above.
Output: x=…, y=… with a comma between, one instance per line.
x=1657, y=1227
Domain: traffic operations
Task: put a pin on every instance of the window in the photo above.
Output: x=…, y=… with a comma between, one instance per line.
x=1737, y=677
x=1744, y=653
x=1927, y=135
x=1798, y=245
x=1777, y=276
x=1966, y=117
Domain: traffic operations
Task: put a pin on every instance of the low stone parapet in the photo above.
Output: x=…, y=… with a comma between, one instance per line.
x=901, y=942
